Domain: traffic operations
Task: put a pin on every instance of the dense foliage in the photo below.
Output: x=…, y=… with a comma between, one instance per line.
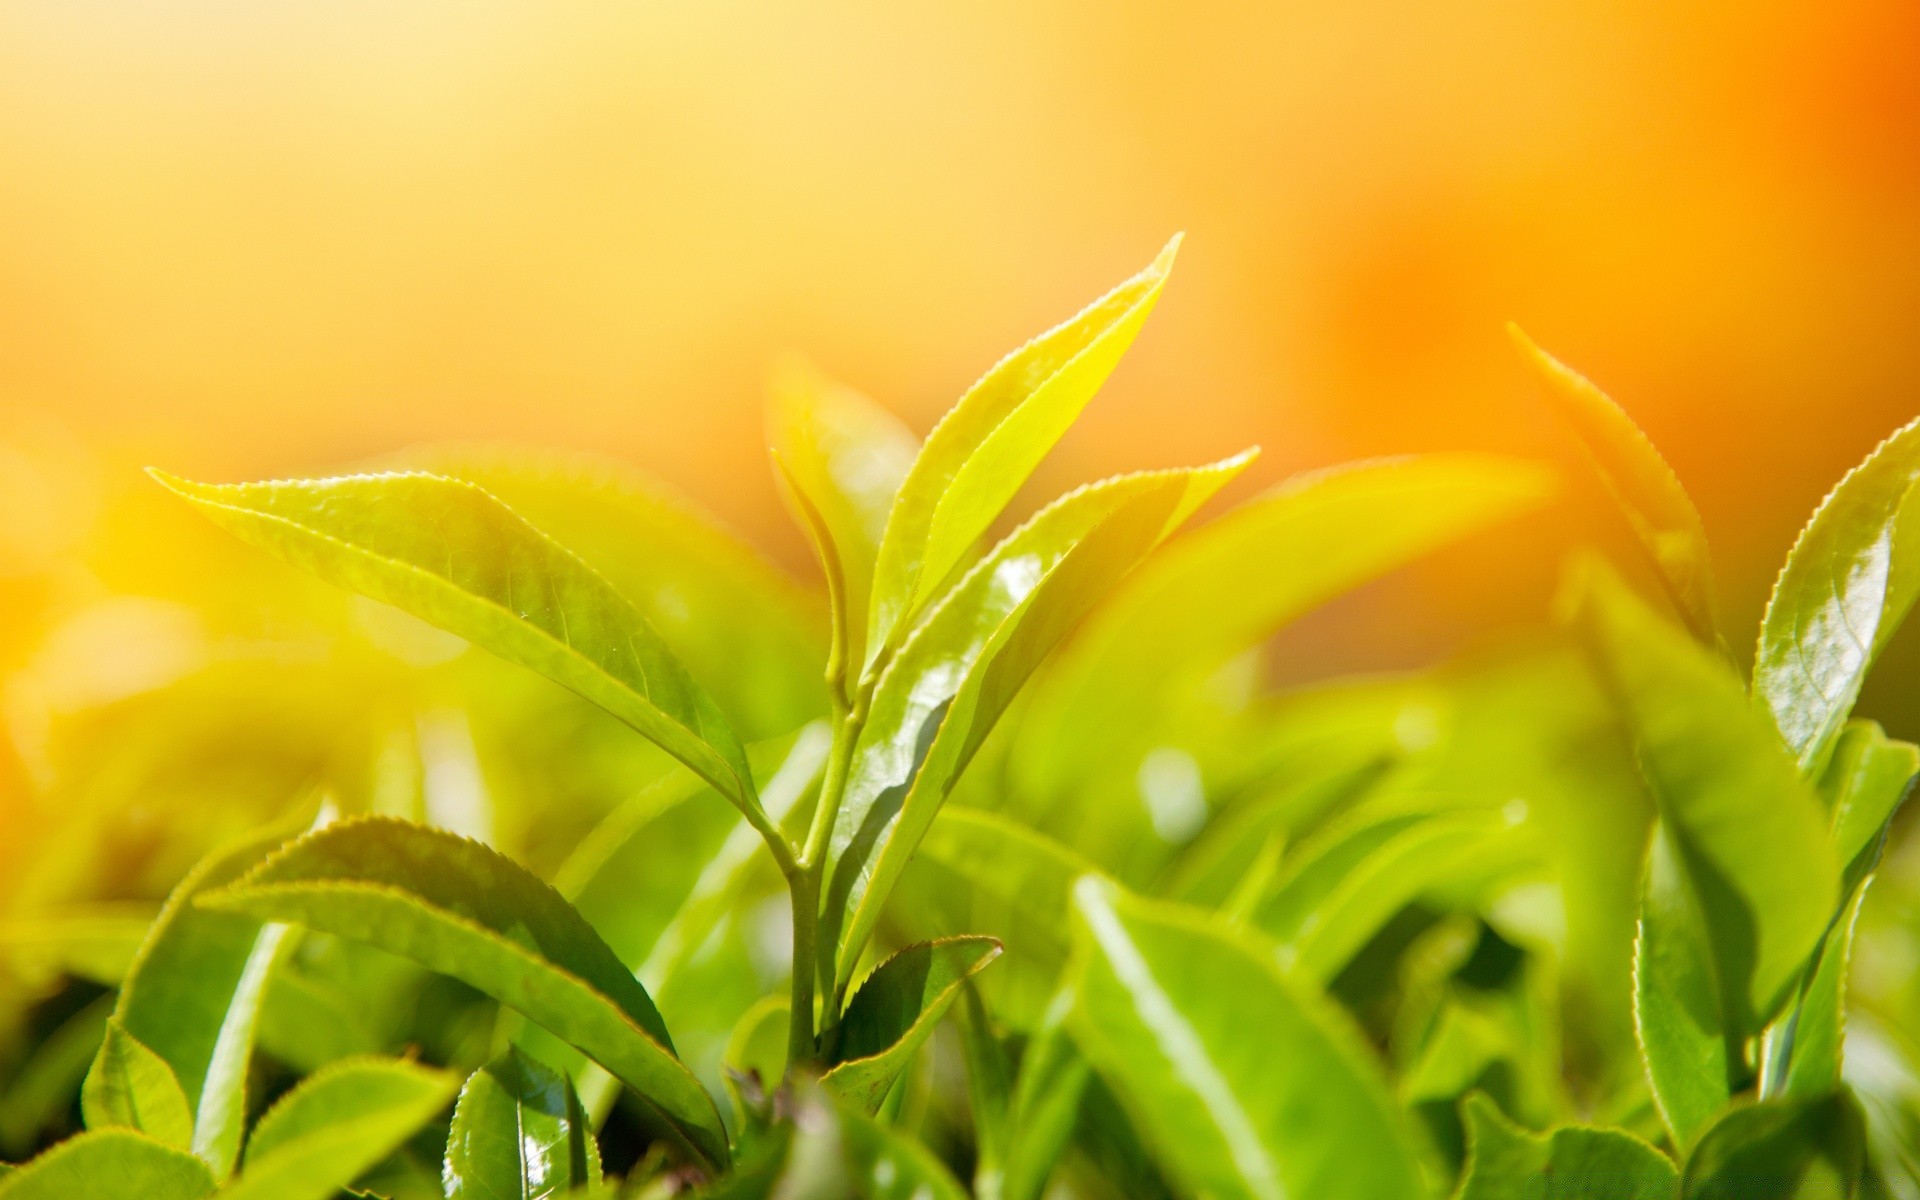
x=1016, y=881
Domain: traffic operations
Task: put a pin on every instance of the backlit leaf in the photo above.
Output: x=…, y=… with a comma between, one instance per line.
x=519, y=1133
x=1677, y=1008
x=894, y=1012
x=132, y=1086
x=1506, y=1162
x=109, y=1163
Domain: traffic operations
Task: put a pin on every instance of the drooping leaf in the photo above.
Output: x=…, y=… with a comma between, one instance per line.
x=1647, y=491
x=461, y=909
x=519, y=1133
x=1847, y=583
x=894, y=1012
x=1227, y=586
x=1784, y=1149
x=335, y=1125
x=845, y=457
x=1677, y=1009
x=1750, y=832
x=109, y=1162
x=1245, y=1082
x=949, y=683
x=1506, y=1162
x=980, y=453
x=131, y=1086
x=194, y=992
x=449, y=553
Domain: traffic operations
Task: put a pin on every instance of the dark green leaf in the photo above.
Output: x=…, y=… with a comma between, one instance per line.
x=132, y=1086
x=894, y=1012
x=1505, y=1162
x=1246, y=1082
x=519, y=1133
x=462, y=909
x=1780, y=1150
x=109, y=1163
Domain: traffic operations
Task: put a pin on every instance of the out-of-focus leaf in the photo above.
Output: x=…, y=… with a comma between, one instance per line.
x=742, y=626
x=1790, y=1149
x=832, y=1151
x=1245, y=1082
x=1020, y=867
x=94, y=942
x=980, y=453
x=335, y=1125
x=449, y=553
x=1848, y=582
x=949, y=683
x=894, y=1012
x=1052, y=1078
x=1647, y=491
x=1866, y=781
x=519, y=1133
x=132, y=1086
x=756, y=1057
x=109, y=1162
x=194, y=992
x=845, y=456
x=1214, y=865
x=1750, y=832
x=1229, y=585
x=39, y=1091
x=464, y=910
x=1506, y=1162
x=1677, y=1008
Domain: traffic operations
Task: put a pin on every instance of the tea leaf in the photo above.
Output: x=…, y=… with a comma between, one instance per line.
x=1023, y=869
x=1506, y=1162
x=109, y=1162
x=1869, y=776
x=950, y=682
x=1677, y=1006
x=1227, y=586
x=335, y=1125
x=1802, y=1149
x=1644, y=487
x=980, y=453
x=519, y=1132
x=1847, y=583
x=894, y=1012
x=96, y=942
x=461, y=909
x=1248, y=1084
x=449, y=553
x=1046, y=1103
x=132, y=1086
x=1751, y=834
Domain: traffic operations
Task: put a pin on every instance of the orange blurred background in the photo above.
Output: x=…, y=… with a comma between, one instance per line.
x=247, y=239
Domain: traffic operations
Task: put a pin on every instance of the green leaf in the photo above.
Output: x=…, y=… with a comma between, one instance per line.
x=1047, y=1091
x=980, y=453
x=950, y=682
x=743, y=626
x=895, y=1011
x=1227, y=586
x=519, y=1133
x=844, y=457
x=336, y=1125
x=1022, y=869
x=1677, y=1009
x=95, y=942
x=1848, y=582
x=461, y=909
x=1781, y=1150
x=449, y=553
x=132, y=1086
x=1247, y=1083
x=1647, y=491
x=194, y=993
x=1750, y=833
x=39, y=1092
x=109, y=1163
x=1506, y=1162
x=1867, y=779
x=755, y=1058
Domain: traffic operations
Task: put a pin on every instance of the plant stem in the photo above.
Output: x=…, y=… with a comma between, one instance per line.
x=803, y=888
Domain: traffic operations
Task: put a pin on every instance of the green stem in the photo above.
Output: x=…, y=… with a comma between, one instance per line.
x=803, y=888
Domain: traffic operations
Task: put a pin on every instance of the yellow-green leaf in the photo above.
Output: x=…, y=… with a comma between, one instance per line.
x=109, y=1163
x=131, y=1086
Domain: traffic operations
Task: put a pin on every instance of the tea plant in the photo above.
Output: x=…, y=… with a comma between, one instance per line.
x=1072, y=905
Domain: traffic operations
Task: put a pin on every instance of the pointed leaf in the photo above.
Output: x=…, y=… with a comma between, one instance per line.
x=1784, y=1149
x=981, y=452
x=1647, y=491
x=461, y=909
x=1676, y=1003
x=336, y=1125
x=132, y=1086
x=109, y=1163
x=449, y=553
x=1506, y=1162
x=895, y=1011
x=1750, y=832
x=953, y=678
x=1848, y=582
x=1227, y=586
x=1246, y=1082
x=519, y=1133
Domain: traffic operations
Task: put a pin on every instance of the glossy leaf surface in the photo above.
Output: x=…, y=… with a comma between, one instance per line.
x=109, y=1162
x=980, y=453
x=894, y=1012
x=1848, y=582
x=519, y=1133
x=461, y=909
x=1246, y=1083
